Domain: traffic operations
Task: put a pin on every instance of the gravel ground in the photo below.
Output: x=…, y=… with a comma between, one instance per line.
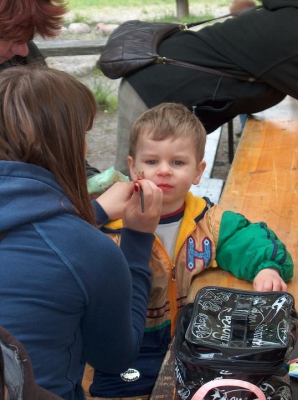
x=102, y=138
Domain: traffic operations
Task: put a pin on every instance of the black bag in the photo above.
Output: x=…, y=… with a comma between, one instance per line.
x=133, y=45
x=235, y=334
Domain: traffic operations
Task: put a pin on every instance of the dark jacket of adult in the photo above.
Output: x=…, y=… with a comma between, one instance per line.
x=66, y=290
x=16, y=367
x=261, y=43
x=34, y=56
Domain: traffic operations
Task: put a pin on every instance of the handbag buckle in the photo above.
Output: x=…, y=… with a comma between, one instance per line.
x=160, y=60
x=183, y=27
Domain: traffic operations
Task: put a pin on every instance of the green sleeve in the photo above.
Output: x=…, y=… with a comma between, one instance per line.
x=245, y=248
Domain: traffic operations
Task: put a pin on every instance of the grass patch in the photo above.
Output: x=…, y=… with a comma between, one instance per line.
x=79, y=18
x=73, y=4
x=104, y=97
x=156, y=10
x=186, y=20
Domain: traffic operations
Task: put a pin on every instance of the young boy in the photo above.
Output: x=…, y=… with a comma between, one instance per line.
x=167, y=146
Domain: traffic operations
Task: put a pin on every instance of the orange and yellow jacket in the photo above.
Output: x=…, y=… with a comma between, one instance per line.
x=208, y=237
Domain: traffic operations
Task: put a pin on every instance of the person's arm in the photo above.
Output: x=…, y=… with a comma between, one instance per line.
x=284, y=77
x=262, y=43
x=269, y=279
x=115, y=318
x=246, y=248
x=119, y=288
x=110, y=205
x=101, y=216
x=113, y=201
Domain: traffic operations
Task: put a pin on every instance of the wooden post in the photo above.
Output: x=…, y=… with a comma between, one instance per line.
x=182, y=8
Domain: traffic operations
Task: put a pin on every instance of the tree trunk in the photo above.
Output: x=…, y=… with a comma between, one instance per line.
x=182, y=8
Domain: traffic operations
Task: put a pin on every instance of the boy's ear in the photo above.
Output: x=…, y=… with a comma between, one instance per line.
x=199, y=172
x=131, y=166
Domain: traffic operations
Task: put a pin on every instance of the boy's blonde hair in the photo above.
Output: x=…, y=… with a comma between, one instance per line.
x=168, y=120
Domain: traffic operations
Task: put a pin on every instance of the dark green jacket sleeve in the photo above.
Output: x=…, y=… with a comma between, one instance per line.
x=245, y=248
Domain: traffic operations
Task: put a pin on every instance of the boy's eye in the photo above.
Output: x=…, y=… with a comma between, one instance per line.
x=151, y=162
x=177, y=162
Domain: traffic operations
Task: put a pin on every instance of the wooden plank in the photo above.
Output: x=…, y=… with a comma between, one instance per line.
x=263, y=181
x=53, y=48
x=165, y=388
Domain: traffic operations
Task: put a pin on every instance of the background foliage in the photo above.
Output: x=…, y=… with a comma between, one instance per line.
x=81, y=4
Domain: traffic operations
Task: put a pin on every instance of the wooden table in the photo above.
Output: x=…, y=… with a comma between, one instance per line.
x=262, y=185
x=263, y=181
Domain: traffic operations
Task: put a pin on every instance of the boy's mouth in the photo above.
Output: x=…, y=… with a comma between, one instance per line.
x=164, y=186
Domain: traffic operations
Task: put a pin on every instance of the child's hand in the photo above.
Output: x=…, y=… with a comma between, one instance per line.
x=269, y=280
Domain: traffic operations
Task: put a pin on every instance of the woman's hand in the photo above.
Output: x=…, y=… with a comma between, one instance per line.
x=143, y=215
x=114, y=200
x=123, y=200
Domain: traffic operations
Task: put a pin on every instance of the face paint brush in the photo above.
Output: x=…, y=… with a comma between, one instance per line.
x=141, y=176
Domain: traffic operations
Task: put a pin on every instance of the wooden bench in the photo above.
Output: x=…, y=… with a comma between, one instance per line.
x=53, y=48
x=263, y=185
x=263, y=180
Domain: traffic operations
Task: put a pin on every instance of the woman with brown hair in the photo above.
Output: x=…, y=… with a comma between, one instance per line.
x=67, y=291
x=20, y=21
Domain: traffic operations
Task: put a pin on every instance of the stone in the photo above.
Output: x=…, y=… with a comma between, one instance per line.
x=79, y=27
x=105, y=29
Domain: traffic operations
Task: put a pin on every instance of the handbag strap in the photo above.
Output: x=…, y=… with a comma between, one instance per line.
x=182, y=27
x=240, y=321
x=204, y=389
x=164, y=60
x=235, y=13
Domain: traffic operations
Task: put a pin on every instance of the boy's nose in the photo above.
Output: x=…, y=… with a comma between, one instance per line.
x=20, y=49
x=164, y=169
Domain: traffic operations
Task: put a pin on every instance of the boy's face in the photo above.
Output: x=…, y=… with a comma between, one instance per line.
x=171, y=165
